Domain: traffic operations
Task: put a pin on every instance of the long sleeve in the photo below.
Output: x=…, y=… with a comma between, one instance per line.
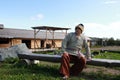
x=87, y=49
x=65, y=43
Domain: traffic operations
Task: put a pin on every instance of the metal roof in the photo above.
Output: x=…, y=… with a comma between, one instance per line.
x=23, y=33
x=49, y=28
x=1, y=26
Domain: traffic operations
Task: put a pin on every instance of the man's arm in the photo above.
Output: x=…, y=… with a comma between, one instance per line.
x=64, y=43
x=87, y=49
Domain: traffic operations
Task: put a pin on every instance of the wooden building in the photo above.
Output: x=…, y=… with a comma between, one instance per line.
x=43, y=37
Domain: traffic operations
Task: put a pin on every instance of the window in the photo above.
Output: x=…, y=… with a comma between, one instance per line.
x=4, y=40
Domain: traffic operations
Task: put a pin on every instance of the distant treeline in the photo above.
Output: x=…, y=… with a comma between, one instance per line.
x=112, y=42
x=108, y=42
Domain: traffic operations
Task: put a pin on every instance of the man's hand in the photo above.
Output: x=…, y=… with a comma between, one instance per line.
x=66, y=53
x=80, y=55
x=89, y=58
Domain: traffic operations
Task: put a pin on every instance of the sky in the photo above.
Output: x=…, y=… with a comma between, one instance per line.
x=101, y=18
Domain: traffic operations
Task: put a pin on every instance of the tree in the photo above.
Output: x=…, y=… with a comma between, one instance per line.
x=111, y=41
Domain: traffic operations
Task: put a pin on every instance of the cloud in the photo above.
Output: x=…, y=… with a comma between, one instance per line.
x=111, y=2
x=101, y=30
x=115, y=26
x=118, y=15
x=37, y=17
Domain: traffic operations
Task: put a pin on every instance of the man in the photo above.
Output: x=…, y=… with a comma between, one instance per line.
x=71, y=49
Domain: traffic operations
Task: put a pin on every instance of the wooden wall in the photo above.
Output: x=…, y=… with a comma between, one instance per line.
x=37, y=43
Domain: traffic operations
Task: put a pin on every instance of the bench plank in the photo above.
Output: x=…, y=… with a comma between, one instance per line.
x=57, y=58
x=42, y=57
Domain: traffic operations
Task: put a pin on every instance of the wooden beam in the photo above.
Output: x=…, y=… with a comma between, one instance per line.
x=57, y=58
x=42, y=57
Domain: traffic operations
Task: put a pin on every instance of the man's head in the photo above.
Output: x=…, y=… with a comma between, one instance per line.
x=80, y=26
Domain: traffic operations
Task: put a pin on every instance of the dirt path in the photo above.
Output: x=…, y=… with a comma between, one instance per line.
x=104, y=70
x=116, y=48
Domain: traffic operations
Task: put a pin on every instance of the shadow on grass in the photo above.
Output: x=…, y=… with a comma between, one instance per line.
x=37, y=69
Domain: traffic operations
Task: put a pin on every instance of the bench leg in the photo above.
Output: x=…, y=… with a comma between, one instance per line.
x=26, y=61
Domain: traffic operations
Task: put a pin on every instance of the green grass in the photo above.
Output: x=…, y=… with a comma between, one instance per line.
x=28, y=72
x=12, y=69
x=47, y=71
x=108, y=55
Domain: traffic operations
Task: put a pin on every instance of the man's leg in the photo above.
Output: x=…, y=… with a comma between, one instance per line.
x=78, y=65
x=65, y=65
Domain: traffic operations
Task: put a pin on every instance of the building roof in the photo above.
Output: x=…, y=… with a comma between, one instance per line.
x=50, y=28
x=1, y=26
x=23, y=33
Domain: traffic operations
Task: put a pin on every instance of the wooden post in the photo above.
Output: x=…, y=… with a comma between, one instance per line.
x=34, y=39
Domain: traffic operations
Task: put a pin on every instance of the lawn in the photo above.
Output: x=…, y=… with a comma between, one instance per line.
x=12, y=69
x=108, y=55
x=50, y=71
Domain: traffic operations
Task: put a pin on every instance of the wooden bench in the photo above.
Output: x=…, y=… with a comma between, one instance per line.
x=57, y=58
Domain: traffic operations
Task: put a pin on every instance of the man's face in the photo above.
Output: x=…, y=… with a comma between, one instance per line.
x=78, y=31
